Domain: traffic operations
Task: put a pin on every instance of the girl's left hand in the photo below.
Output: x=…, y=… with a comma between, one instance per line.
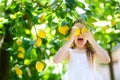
x=89, y=36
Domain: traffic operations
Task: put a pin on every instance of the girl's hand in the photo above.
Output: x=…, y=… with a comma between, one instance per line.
x=73, y=29
x=72, y=35
x=89, y=36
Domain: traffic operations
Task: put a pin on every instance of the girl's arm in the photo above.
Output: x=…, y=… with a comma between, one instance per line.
x=63, y=52
x=100, y=52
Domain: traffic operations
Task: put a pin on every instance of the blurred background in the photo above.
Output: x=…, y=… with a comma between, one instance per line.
x=31, y=31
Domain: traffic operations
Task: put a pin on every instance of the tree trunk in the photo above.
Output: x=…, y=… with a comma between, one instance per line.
x=4, y=55
x=111, y=66
x=4, y=68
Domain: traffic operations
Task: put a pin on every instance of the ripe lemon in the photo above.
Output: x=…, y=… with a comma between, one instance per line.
x=41, y=33
x=21, y=49
x=113, y=22
x=68, y=38
x=77, y=31
x=18, y=71
x=42, y=18
x=21, y=55
x=38, y=42
x=63, y=29
x=26, y=61
x=19, y=41
x=84, y=30
x=39, y=66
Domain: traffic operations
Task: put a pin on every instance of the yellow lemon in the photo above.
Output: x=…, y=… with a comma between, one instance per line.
x=38, y=42
x=41, y=33
x=63, y=29
x=42, y=18
x=39, y=66
x=77, y=31
x=26, y=61
x=16, y=68
x=84, y=30
x=113, y=22
x=19, y=41
x=68, y=38
x=21, y=55
x=21, y=49
x=18, y=71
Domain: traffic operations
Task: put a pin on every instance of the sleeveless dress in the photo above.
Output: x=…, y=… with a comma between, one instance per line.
x=79, y=67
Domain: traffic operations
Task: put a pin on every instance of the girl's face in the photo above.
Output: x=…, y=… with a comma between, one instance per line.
x=80, y=40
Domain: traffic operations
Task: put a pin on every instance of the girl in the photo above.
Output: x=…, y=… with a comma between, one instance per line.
x=80, y=51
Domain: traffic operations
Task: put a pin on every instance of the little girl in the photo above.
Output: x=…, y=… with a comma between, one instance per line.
x=80, y=51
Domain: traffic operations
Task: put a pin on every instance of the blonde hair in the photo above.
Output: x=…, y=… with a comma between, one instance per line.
x=89, y=49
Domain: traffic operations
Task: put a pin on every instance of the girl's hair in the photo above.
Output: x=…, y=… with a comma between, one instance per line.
x=90, y=50
x=79, y=21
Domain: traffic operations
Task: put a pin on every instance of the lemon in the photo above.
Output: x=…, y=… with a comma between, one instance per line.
x=39, y=66
x=21, y=49
x=77, y=32
x=63, y=29
x=18, y=71
x=21, y=55
x=19, y=41
x=113, y=22
x=26, y=61
x=68, y=38
x=16, y=68
x=38, y=42
x=41, y=33
x=42, y=18
x=84, y=30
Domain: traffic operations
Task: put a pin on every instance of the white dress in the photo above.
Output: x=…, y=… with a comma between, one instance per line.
x=79, y=67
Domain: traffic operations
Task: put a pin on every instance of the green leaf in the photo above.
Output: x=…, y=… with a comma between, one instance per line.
x=54, y=4
x=1, y=26
x=49, y=18
x=44, y=41
x=118, y=25
x=64, y=23
x=33, y=55
x=91, y=19
x=80, y=4
x=28, y=52
x=63, y=14
x=71, y=4
x=91, y=26
x=88, y=12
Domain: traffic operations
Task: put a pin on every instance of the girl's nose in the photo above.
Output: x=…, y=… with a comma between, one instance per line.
x=81, y=35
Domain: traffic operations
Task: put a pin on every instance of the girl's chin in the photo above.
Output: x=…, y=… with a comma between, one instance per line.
x=80, y=45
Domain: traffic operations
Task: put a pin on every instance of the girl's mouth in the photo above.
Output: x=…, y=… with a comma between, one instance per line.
x=80, y=39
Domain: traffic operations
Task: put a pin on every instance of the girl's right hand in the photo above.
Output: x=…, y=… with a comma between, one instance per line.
x=76, y=31
x=73, y=29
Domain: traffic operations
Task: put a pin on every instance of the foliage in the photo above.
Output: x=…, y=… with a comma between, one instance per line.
x=36, y=29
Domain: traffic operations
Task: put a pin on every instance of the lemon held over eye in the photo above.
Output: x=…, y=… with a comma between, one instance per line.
x=77, y=31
